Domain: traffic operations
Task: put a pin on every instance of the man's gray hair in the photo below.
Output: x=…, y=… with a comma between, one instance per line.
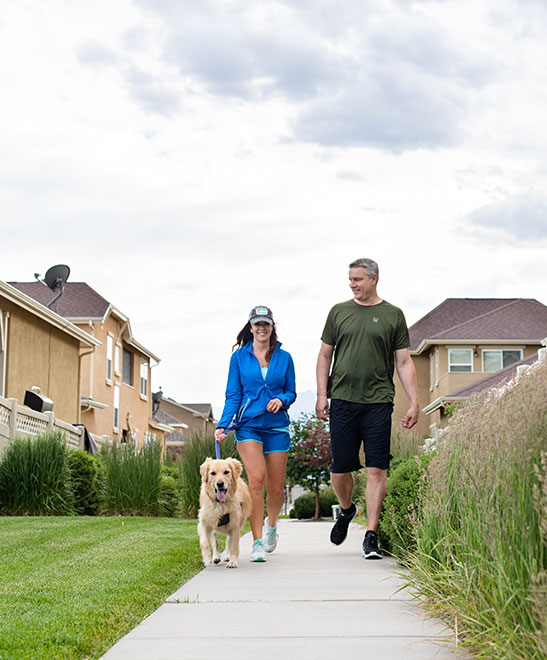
x=370, y=266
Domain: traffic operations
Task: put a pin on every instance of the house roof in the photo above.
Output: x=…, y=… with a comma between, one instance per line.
x=28, y=303
x=203, y=408
x=163, y=417
x=80, y=304
x=495, y=379
x=197, y=409
x=480, y=319
x=79, y=300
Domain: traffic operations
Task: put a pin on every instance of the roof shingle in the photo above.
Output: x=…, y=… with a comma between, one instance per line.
x=482, y=318
x=79, y=300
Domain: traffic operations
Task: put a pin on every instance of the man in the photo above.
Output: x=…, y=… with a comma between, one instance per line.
x=367, y=337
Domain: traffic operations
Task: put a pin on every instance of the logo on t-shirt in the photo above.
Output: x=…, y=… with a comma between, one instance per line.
x=375, y=319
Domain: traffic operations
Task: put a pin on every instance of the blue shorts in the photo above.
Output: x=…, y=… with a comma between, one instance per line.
x=272, y=440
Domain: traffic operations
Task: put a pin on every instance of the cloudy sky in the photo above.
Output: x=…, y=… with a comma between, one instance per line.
x=189, y=159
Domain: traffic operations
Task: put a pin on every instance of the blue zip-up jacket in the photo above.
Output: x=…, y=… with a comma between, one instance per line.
x=248, y=394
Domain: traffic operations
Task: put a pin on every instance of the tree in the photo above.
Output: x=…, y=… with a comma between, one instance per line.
x=309, y=460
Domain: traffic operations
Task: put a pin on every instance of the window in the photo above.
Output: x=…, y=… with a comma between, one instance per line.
x=144, y=378
x=116, y=406
x=109, y=345
x=117, y=352
x=460, y=359
x=127, y=373
x=431, y=372
x=436, y=366
x=494, y=360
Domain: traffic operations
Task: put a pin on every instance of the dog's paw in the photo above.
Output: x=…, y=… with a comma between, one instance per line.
x=216, y=560
x=232, y=563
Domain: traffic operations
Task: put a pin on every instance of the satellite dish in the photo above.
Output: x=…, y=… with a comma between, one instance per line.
x=55, y=279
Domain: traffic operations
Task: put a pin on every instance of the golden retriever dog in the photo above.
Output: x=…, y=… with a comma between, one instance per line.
x=225, y=505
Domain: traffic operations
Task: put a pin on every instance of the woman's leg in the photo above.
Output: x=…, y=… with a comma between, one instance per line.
x=252, y=455
x=276, y=467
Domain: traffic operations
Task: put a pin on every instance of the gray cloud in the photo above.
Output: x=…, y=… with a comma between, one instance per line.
x=92, y=53
x=150, y=93
x=253, y=63
x=387, y=110
x=523, y=216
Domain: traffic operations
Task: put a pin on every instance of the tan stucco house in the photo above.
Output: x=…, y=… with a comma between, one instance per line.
x=39, y=348
x=115, y=380
x=196, y=419
x=462, y=342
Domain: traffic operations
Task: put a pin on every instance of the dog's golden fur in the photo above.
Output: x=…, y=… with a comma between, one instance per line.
x=222, y=476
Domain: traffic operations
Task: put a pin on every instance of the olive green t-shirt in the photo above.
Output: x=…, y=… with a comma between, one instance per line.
x=365, y=338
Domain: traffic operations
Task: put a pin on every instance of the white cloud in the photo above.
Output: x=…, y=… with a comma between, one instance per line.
x=190, y=160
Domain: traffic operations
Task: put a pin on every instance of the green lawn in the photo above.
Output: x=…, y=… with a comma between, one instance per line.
x=71, y=586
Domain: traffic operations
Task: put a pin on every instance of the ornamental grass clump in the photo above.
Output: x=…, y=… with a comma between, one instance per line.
x=35, y=477
x=132, y=479
x=481, y=554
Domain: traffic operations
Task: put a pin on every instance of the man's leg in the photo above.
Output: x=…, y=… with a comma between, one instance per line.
x=342, y=482
x=345, y=442
x=376, y=429
x=374, y=495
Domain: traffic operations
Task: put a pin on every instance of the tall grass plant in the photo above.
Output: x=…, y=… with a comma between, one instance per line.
x=481, y=554
x=132, y=481
x=35, y=477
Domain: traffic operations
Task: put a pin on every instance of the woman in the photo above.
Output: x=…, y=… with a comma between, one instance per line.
x=260, y=389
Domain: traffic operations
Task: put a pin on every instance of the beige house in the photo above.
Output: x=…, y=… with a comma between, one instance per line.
x=198, y=417
x=462, y=342
x=39, y=348
x=115, y=380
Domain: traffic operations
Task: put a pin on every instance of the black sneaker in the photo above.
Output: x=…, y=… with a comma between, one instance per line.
x=370, y=546
x=340, y=530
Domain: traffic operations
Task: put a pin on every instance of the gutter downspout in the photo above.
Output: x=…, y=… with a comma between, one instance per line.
x=4, y=349
x=80, y=356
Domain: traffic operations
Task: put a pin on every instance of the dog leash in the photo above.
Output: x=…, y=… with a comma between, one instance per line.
x=217, y=450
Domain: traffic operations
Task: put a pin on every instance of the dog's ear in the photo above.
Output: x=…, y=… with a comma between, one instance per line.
x=235, y=467
x=204, y=469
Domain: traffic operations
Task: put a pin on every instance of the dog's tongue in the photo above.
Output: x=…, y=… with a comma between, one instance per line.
x=221, y=495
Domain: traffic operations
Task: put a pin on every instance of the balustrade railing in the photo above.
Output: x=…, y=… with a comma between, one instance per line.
x=21, y=421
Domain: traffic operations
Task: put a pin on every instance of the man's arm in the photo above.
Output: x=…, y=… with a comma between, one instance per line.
x=323, y=368
x=407, y=375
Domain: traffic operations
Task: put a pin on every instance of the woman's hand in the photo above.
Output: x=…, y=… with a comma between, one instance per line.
x=274, y=405
x=220, y=435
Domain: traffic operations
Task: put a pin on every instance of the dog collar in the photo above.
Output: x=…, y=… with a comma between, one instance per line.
x=223, y=520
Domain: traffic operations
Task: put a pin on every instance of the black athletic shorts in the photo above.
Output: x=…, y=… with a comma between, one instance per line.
x=352, y=423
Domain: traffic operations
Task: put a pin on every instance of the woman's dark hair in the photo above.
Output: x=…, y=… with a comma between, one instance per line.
x=245, y=336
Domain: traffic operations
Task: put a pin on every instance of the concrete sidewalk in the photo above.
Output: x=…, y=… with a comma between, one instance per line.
x=310, y=601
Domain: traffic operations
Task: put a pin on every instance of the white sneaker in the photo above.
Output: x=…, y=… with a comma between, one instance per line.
x=270, y=536
x=257, y=552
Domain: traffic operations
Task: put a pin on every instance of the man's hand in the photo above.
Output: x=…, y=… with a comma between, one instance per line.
x=220, y=435
x=274, y=405
x=410, y=418
x=322, y=408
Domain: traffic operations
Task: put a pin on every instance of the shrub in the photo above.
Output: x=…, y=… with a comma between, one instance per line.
x=396, y=528
x=86, y=477
x=196, y=450
x=170, y=500
x=304, y=506
x=35, y=478
x=132, y=479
